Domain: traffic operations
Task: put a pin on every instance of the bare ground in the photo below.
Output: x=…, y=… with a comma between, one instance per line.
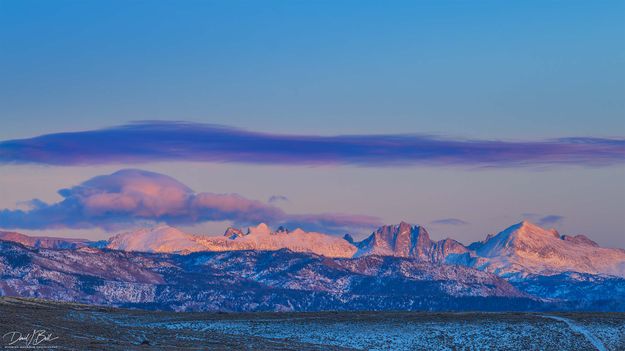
x=82, y=327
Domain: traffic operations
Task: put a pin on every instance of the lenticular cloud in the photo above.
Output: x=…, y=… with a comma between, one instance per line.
x=133, y=196
x=181, y=141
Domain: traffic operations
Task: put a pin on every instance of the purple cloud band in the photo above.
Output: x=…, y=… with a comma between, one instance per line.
x=129, y=197
x=183, y=141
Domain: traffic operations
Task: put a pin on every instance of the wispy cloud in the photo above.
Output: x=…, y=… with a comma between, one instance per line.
x=181, y=141
x=277, y=198
x=550, y=220
x=129, y=197
x=449, y=221
x=544, y=220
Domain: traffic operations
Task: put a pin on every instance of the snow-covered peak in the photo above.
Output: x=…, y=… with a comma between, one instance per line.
x=261, y=238
x=506, y=240
x=261, y=229
x=526, y=248
x=162, y=238
x=530, y=229
x=520, y=250
x=580, y=239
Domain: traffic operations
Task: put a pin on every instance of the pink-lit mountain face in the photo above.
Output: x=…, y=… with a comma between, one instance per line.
x=259, y=238
x=406, y=240
x=43, y=241
x=396, y=267
x=525, y=249
x=521, y=250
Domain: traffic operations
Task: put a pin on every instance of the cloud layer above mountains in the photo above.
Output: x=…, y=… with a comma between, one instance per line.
x=129, y=197
x=181, y=141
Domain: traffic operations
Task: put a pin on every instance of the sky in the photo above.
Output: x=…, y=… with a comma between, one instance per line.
x=465, y=117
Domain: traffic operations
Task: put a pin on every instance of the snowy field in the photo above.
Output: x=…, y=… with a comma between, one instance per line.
x=80, y=327
x=447, y=331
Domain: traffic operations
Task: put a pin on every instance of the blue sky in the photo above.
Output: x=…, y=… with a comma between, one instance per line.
x=515, y=71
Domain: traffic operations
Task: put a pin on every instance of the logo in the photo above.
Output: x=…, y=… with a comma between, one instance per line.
x=35, y=339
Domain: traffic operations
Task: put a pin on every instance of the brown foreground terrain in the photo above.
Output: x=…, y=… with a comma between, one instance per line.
x=39, y=324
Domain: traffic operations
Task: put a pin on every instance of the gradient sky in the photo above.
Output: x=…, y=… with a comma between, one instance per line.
x=488, y=70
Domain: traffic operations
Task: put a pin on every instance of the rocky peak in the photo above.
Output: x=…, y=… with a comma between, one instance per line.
x=402, y=240
x=233, y=233
x=347, y=237
x=523, y=233
x=282, y=230
x=526, y=248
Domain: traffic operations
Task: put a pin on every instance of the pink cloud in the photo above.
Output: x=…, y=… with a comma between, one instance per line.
x=134, y=196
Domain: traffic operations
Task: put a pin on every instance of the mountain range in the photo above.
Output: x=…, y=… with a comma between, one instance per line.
x=396, y=267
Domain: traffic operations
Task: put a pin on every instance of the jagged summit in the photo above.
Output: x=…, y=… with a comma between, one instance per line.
x=408, y=240
x=520, y=250
x=233, y=233
x=525, y=248
x=259, y=238
x=403, y=240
